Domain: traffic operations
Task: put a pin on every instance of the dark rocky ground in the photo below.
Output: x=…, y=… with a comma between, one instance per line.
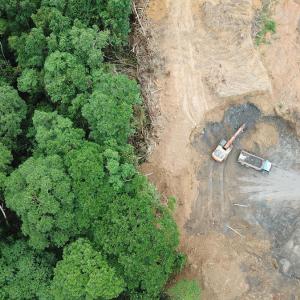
x=229, y=190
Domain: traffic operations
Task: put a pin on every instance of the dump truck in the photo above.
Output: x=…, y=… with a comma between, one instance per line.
x=255, y=162
x=224, y=147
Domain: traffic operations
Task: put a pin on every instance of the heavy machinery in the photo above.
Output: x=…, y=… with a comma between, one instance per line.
x=255, y=162
x=225, y=147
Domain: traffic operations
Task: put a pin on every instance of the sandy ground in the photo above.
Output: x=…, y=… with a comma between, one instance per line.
x=183, y=103
x=210, y=63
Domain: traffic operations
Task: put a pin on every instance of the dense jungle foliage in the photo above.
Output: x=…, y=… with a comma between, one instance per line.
x=79, y=221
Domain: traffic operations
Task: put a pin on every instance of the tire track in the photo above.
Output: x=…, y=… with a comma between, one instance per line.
x=188, y=80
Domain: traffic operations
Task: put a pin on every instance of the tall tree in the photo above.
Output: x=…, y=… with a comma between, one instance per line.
x=51, y=20
x=25, y=274
x=140, y=236
x=5, y=160
x=17, y=13
x=30, y=81
x=30, y=48
x=65, y=76
x=115, y=17
x=12, y=112
x=85, y=43
x=55, y=134
x=109, y=111
x=39, y=191
x=85, y=168
x=83, y=273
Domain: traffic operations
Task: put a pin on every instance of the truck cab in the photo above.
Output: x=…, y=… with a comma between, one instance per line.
x=267, y=165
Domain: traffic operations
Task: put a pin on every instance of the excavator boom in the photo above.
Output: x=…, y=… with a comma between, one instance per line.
x=232, y=139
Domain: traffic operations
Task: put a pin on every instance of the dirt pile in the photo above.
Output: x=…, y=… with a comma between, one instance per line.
x=234, y=68
x=261, y=138
x=291, y=115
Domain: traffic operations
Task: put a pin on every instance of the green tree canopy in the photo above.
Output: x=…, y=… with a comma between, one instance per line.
x=141, y=238
x=117, y=85
x=115, y=17
x=95, y=171
x=39, y=191
x=51, y=20
x=12, y=112
x=17, y=13
x=88, y=44
x=55, y=134
x=87, y=11
x=65, y=76
x=8, y=73
x=83, y=273
x=109, y=111
x=73, y=173
x=85, y=43
x=5, y=160
x=85, y=167
x=30, y=81
x=25, y=274
x=119, y=171
x=112, y=15
x=30, y=48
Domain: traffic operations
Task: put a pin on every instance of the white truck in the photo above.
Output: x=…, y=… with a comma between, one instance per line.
x=250, y=160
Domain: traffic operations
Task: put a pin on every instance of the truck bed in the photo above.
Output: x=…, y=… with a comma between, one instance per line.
x=250, y=160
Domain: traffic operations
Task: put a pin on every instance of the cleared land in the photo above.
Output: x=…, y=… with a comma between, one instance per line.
x=240, y=228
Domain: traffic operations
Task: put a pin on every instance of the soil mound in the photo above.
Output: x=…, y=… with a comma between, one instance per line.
x=261, y=138
x=235, y=69
x=291, y=115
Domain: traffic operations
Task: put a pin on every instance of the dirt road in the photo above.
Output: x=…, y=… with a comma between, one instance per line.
x=183, y=102
x=211, y=63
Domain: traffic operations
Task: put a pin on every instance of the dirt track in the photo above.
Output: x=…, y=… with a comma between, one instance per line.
x=183, y=101
x=210, y=64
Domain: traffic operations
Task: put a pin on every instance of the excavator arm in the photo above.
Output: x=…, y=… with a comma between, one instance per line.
x=233, y=138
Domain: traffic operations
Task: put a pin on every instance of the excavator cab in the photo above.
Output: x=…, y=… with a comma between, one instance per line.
x=223, y=143
x=220, y=154
x=224, y=148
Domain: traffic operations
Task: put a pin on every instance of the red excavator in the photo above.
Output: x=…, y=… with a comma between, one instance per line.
x=224, y=147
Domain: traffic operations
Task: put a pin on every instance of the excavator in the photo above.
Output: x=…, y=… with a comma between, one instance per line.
x=224, y=148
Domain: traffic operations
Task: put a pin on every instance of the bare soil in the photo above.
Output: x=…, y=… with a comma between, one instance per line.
x=240, y=228
x=264, y=136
